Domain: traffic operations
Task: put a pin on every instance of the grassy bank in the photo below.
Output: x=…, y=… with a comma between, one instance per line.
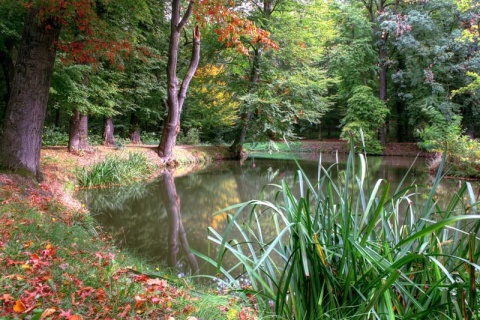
x=56, y=263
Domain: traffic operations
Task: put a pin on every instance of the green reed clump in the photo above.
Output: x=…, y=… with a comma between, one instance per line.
x=115, y=170
x=346, y=250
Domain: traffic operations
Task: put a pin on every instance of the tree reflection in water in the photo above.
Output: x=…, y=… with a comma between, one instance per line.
x=177, y=237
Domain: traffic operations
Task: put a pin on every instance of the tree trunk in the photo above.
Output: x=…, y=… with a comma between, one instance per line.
x=108, y=138
x=177, y=238
x=8, y=69
x=78, y=137
x=383, y=89
x=135, y=137
x=26, y=110
x=175, y=94
x=254, y=77
x=237, y=147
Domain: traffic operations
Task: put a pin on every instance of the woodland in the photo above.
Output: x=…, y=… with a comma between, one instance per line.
x=80, y=73
x=116, y=72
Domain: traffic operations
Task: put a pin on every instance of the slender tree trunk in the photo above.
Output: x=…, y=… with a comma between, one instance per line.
x=135, y=137
x=108, y=137
x=78, y=137
x=383, y=91
x=237, y=147
x=177, y=238
x=26, y=110
x=176, y=94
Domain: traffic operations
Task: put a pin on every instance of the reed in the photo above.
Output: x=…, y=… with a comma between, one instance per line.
x=344, y=249
x=115, y=170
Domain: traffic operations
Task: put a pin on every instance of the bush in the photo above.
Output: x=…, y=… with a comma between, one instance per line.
x=463, y=153
x=53, y=136
x=191, y=138
x=151, y=138
x=343, y=250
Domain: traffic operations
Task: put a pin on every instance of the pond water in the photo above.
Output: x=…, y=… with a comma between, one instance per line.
x=161, y=219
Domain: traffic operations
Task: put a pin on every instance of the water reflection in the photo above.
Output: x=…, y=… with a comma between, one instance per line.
x=177, y=237
x=162, y=219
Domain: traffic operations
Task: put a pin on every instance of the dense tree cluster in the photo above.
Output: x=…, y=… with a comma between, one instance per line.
x=267, y=69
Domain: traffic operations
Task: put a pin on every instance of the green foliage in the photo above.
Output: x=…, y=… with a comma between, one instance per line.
x=151, y=138
x=345, y=250
x=115, y=170
x=365, y=115
x=53, y=136
x=463, y=153
x=192, y=137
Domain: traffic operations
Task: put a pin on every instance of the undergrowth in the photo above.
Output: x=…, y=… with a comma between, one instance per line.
x=56, y=264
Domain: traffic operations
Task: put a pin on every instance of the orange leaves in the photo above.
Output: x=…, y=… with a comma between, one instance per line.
x=232, y=28
x=19, y=307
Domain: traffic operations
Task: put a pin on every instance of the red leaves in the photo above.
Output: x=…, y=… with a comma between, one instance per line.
x=232, y=28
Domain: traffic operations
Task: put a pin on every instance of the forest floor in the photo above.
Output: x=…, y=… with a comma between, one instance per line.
x=57, y=264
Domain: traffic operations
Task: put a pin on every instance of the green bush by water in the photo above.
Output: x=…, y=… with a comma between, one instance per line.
x=115, y=170
x=345, y=250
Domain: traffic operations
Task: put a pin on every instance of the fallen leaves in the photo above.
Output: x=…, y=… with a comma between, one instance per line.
x=19, y=306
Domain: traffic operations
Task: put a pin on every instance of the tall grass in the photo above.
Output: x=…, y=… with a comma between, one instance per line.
x=115, y=170
x=344, y=249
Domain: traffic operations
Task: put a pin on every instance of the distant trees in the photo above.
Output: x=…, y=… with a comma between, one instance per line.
x=269, y=70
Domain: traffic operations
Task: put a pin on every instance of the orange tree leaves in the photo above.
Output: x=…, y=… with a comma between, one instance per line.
x=232, y=29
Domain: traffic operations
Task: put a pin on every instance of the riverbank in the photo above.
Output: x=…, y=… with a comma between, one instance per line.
x=57, y=264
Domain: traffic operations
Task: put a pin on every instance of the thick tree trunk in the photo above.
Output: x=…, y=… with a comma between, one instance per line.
x=175, y=94
x=8, y=69
x=25, y=115
x=78, y=137
x=108, y=138
x=177, y=237
x=135, y=137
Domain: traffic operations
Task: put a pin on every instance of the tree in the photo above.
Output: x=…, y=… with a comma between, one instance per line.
x=22, y=134
x=25, y=114
x=176, y=92
x=365, y=116
x=232, y=28
x=284, y=87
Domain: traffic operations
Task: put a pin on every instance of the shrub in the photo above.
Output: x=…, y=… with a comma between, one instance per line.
x=344, y=250
x=463, y=153
x=151, y=138
x=191, y=138
x=53, y=136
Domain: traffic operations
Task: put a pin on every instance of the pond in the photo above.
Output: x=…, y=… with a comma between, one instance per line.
x=161, y=219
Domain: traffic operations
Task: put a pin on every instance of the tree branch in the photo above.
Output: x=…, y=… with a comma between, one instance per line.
x=186, y=16
x=191, y=69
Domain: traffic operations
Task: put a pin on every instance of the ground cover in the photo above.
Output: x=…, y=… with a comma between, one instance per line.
x=56, y=263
